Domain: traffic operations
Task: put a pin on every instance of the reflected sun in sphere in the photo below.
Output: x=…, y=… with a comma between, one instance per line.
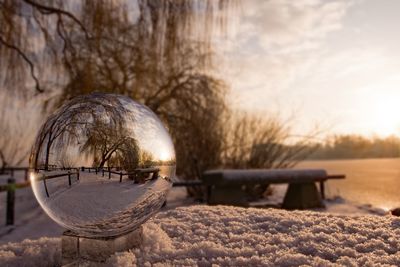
x=165, y=155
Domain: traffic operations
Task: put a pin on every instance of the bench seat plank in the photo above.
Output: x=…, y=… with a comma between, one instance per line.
x=256, y=176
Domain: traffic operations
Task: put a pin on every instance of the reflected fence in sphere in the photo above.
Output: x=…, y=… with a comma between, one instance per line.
x=12, y=185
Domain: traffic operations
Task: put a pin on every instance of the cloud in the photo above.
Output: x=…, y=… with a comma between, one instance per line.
x=276, y=43
x=288, y=23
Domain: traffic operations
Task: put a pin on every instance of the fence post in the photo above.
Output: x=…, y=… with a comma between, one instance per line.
x=120, y=177
x=95, y=169
x=26, y=175
x=10, y=201
x=69, y=178
x=102, y=171
x=77, y=174
x=109, y=173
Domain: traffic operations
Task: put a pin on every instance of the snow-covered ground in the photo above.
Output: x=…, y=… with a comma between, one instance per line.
x=203, y=235
x=31, y=222
x=345, y=234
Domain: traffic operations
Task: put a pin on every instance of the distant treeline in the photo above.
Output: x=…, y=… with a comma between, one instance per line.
x=356, y=146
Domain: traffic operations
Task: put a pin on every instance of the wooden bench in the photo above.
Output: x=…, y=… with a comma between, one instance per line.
x=141, y=172
x=226, y=186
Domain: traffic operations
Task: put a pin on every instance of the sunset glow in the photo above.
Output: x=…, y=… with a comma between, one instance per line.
x=165, y=155
x=383, y=113
x=333, y=63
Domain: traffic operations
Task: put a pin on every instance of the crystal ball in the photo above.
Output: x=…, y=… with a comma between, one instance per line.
x=102, y=165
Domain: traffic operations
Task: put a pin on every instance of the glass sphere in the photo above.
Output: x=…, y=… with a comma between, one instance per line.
x=102, y=165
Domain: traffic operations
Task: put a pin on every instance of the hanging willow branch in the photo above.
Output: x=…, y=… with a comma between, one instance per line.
x=16, y=22
x=58, y=26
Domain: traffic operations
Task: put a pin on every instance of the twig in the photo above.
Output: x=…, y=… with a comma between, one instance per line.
x=27, y=60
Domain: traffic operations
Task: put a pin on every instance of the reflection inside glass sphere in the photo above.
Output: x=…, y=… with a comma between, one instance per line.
x=102, y=165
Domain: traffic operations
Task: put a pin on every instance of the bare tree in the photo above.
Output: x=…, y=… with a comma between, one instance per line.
x=105, y=140
x=146, y=159
x=252, y=141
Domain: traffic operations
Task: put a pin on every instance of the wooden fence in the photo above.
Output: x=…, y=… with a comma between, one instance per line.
x=10, y=187
x=68, y=174
x=11, y=171
x=120, y=173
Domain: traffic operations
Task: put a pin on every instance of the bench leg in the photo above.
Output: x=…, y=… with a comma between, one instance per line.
x=227, y=195
x=322, y=189
x=302, y=196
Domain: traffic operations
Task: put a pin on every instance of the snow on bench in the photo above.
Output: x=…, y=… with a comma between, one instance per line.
x=226, y=186
x=264, y=175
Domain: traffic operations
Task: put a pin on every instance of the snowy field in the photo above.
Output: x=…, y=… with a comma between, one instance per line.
x=220, y=235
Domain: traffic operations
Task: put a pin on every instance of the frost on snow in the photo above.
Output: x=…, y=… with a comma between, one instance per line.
x=221, y=235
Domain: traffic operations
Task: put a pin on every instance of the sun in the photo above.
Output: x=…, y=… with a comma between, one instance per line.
x=164, y=155
x=384, y=114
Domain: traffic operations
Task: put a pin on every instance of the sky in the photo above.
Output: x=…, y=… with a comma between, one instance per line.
x=334, y=64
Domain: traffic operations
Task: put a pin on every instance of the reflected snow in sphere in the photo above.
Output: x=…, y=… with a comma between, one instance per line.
x=102, y=165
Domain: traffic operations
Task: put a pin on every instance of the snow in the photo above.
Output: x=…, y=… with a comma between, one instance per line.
x=32, y=222
x=232, y=175
x=41, y=252
x=222, y=235
x=347, y=234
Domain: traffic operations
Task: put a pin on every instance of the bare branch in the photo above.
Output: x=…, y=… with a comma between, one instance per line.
x=27, y=60
x=53, y=10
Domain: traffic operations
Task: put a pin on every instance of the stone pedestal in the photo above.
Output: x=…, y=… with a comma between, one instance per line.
x=76, y=249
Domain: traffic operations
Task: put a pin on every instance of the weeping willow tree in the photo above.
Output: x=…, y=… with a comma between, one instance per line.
x=37, y=34
x=158, y=52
